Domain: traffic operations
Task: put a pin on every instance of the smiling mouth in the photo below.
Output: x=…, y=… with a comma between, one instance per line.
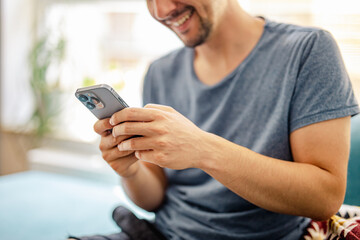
x=181, y=21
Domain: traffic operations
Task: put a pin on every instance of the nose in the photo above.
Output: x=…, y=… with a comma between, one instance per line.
x=163, y=8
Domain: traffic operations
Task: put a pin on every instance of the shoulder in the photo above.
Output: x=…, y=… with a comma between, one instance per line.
x=287, y=29
x=304, y=36
x=301, y=43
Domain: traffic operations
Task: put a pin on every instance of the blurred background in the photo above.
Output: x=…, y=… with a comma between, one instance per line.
x=49, y=48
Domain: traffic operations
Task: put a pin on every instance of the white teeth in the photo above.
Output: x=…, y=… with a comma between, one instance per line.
x=181, y=20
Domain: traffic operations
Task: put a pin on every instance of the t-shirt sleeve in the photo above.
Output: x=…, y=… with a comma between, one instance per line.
x=323, y=90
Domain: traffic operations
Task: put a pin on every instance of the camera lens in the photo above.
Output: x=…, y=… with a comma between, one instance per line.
x=94, y=100
x=83, y=98
x=90, y=105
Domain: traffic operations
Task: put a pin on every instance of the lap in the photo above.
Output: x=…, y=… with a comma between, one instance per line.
x=115, y=236
x=131, y=227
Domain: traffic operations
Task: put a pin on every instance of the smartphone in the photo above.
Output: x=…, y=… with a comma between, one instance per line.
x=102, y=100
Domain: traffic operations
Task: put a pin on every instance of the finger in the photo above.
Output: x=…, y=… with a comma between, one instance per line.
x=133, y=115
x=144, y=155
x=155, y=157
x=114, y=154
x=135, y=128
x=102, y=127
x=160, y=107
x=148, y=156
x=108, y=142
x=138, y=143
x=122, y=166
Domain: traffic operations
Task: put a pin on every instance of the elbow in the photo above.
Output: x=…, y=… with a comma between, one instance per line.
x=149, y=204
x=327, y=213
x=331, y=197
x=329, y=205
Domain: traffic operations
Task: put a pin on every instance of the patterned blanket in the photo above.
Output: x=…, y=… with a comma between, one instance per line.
x=345, y=225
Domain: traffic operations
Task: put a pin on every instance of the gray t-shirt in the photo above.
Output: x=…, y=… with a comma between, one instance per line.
x=293, y=77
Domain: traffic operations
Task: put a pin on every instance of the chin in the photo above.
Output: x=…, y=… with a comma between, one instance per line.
x=193, y=44
x=195, y=41
x=201, y=37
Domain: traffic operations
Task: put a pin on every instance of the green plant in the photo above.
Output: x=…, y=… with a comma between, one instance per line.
x=43, y=55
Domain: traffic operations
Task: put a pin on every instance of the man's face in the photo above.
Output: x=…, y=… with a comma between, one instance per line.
x=191, y=20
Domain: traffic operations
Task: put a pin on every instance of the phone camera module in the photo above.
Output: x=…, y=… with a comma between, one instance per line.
x=83, y=98
x=95, y=101
x=90, y=105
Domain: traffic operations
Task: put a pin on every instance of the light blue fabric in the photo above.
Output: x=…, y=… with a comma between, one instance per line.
x=49, y=206
x=294, y=77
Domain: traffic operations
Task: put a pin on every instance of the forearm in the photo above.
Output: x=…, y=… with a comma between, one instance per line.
x=146, y=188
x=276, y=185
x=313, y=185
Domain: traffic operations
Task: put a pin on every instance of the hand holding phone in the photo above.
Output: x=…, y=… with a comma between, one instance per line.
x=102, y=100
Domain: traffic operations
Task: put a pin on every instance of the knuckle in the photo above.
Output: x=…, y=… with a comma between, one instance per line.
x=115, y=117
x=161, y=143
x=133, y=143
x=105, y=143
x=115, y=130
x=164, y=130
x=102, y=146
x=159, y=115
x=122, y=129
x=99, y=127
x=114, y=141
x=138, y=154
x=152, y=129
x=160, y=158
x=106, y=156
x=149, y=105
x=96, y=127
x=169, y=108
x=158, y=130
x=129, y=113
x=125, y=127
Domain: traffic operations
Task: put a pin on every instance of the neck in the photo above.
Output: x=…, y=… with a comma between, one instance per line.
x=231, y=41
x=233, y=38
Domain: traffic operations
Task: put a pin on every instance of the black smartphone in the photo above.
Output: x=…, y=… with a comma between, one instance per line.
x=102, y=100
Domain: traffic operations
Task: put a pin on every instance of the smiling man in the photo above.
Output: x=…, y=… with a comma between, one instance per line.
x=248, y=133
x=192, y=29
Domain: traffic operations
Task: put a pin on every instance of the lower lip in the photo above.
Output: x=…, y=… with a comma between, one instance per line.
x=183, y=27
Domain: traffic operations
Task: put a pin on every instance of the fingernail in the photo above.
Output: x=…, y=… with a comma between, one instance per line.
x=111, y=121
x=124, y=146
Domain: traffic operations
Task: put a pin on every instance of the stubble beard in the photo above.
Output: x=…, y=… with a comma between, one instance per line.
x=203, y=34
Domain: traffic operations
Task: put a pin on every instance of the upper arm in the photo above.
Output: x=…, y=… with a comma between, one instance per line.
x=325, y=145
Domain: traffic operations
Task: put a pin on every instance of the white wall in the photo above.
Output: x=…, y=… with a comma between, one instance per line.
x=16, y=99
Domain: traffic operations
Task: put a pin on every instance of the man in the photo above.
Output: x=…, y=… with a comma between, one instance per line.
x=249, y=137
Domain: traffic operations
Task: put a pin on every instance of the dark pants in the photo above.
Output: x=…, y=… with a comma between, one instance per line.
x=132, y=228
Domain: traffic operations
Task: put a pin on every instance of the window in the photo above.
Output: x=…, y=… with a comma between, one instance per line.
x=114, y=41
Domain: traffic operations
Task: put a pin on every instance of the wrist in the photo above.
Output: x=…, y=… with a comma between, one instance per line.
x=212, y=152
